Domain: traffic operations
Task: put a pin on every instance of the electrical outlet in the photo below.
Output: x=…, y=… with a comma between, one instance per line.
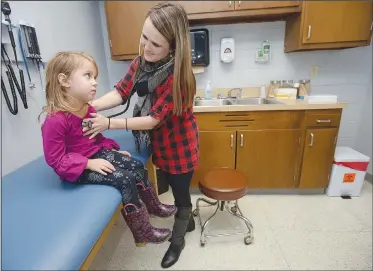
x=314, y=71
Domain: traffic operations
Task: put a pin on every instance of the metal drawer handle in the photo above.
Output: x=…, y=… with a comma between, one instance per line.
x=323, y=121
x=239, y=3
x=230, y=3
x=241, y=140
x=309, y=32
x=311, y=142
x=232, y=141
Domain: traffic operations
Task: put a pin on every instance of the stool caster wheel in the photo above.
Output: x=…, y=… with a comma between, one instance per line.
x=248, y=240
x=195, y=212
x=202, y=244
x=234, y=209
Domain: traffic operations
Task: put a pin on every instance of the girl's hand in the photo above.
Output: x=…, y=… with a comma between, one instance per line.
x=98, y=124
x=126, y=153
x=100, y=165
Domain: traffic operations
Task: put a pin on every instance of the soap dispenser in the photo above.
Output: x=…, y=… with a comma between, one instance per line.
x=227, y=50
x=208, y=91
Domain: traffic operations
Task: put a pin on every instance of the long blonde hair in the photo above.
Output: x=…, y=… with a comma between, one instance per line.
x=66, y=63
x=170, y=19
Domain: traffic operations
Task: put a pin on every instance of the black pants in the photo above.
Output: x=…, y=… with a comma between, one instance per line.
x=128, y=172
x=180, y=187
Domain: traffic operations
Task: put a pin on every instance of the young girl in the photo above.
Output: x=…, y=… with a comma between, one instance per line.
x=163, y=79
x=70, y=86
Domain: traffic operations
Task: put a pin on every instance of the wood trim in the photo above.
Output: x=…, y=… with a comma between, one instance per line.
x=92, y=254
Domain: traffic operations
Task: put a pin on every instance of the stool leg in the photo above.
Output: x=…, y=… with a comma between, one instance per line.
x=196, y=211
x=250, y=235
x=204, y=226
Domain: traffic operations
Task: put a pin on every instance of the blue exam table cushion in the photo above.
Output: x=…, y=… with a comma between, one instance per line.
x=53, y=225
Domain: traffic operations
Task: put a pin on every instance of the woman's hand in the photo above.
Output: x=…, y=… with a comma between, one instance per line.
x=96, y=125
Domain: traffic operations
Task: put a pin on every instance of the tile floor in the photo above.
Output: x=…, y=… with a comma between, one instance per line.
x=292, y=232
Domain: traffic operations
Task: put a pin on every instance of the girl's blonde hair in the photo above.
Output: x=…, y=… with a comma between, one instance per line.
x=57, y=98
x=171, y=20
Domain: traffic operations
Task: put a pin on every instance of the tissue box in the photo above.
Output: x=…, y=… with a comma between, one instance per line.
x=286, y=93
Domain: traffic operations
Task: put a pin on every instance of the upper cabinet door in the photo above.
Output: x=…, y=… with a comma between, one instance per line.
x=243, y=5
x=336, y=21
x=197, y=7
x=125, y=21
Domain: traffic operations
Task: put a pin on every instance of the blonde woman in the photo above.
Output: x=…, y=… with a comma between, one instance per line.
x=163, y=115
x=71, y=84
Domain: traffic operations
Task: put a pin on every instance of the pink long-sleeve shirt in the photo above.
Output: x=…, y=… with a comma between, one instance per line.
x=66, y=149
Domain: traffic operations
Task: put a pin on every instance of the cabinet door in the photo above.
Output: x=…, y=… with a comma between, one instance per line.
x=268, y=157
x=217, y=149
x=243, y=5
x=125, y=21
x=318, y=157
x=336, y=21
x=196, y=7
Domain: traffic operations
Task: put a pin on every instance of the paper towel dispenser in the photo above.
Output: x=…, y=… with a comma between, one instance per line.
x=200, y=47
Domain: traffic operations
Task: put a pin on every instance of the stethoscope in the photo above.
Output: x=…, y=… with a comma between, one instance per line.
x=137, y=79
x=12, y=79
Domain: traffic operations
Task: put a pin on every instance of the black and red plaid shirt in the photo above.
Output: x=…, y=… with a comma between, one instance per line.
x=175, y=140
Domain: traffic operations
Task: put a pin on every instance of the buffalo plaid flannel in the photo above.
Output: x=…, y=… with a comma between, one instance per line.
x=175, y=140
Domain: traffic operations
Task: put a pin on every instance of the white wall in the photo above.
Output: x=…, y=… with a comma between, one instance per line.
x=363, y=142
x=342, y=72
x=60, y=25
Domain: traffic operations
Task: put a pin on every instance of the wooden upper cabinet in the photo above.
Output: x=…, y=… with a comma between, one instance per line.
x=243, y=5
x=125, y=20
x=330, y=24
x=197, y=7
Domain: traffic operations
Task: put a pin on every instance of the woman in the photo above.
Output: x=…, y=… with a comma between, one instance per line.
x=163, y=116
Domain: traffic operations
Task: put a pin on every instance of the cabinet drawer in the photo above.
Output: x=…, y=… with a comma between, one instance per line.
x=249, y=120
x=323, y=119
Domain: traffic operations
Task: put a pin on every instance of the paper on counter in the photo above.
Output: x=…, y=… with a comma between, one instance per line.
x=198, y=69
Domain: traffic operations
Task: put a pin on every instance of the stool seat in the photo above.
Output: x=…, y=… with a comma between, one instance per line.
x=223, y=184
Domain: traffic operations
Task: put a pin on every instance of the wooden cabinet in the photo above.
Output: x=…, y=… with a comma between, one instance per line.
x=329, y=24
x=217, y=149
x=125, y=20
x=198, y=7
x=310, y=25
x=245, y=5
x=207, y=12
x=321, y=132
x=274, y=149
x=263, y=145
x=318, y=157
x=269, y=157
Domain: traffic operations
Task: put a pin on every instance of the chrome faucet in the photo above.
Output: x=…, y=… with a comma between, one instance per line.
x=239, y=94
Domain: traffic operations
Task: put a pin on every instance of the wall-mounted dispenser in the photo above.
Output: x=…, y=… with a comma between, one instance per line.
x=227, y=50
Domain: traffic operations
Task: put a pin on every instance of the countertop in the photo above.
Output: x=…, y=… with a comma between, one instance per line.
x=282, y=105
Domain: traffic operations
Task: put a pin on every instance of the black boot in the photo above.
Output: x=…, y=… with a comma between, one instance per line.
x=191, y=226
x=177, y=241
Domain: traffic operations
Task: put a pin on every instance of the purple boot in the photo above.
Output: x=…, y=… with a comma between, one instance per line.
x=154, y=206
x=143, y=232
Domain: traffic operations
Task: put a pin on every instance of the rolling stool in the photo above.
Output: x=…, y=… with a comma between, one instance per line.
x=223, y=185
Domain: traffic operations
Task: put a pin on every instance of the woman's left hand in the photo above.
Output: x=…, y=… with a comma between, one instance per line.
x=99, y=124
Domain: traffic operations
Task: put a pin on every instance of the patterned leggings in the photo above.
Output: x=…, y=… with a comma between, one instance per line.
x=128, y=172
